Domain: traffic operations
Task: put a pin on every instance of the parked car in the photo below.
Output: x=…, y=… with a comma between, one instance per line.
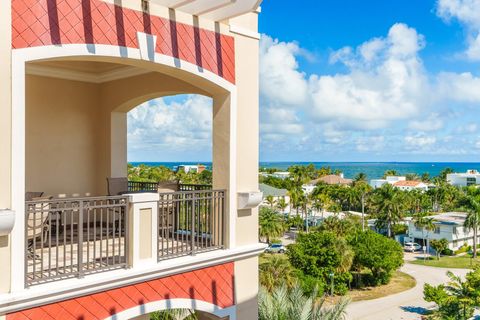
x=411, y=246
x=276, y=248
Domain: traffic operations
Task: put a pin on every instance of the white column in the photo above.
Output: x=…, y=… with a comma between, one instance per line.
x=143, y=229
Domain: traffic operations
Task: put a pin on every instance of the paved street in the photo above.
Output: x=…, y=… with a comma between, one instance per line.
x=405, y=305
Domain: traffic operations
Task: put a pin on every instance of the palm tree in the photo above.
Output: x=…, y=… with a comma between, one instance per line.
x=293, y=304
x=362, y=190
x=390, y=173
x=276, y=272
x=270, y=224
x=174, y=314
x=360, y=177
x=423, y=221
x=412, y=177
x=472, y=222
x=282, y=204
x=388, y=203
x=270, y=200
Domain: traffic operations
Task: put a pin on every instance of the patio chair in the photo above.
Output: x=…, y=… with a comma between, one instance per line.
x=117, y=186
x=37, y=224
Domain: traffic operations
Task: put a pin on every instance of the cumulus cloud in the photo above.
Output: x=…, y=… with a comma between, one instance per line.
x=385, y=87
x=181, y=125
x=466, y=12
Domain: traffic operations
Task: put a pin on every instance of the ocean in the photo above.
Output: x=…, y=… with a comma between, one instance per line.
x=373, y=170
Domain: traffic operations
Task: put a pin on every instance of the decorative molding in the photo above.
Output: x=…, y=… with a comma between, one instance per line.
x=244, y=32
x=75, y=75
x=72, y=288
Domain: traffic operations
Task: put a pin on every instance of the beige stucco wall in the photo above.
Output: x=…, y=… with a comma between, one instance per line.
x=62, y=134
x=5, y=135
x=246, y=60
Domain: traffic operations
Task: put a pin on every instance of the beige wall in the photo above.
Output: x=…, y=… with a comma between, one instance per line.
x=62, y=134
x=5, y=135
x=246, y=55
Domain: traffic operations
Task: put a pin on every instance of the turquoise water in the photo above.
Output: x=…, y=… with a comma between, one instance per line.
x=373, y=170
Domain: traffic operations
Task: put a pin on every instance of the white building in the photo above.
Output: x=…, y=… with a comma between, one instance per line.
x=469, y=178
x=377, y=183
x=281, y=174
x=400, y=182
x=447, y=226
x=411, y=185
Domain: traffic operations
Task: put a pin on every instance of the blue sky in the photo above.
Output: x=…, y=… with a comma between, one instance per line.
x=371, y=80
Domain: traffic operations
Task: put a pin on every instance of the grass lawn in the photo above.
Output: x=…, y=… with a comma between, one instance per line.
x=464, y=262
x=400, y=282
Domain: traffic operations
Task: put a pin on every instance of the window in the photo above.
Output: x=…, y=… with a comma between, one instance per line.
x=418, y=228
x=437, y=229
x=454, y=230
x=471, y=181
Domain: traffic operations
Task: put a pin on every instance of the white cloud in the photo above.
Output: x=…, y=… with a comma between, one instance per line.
x=432, y=123
x=180, y=125
x=419, y=141
x=466, y=12
x=281, y=81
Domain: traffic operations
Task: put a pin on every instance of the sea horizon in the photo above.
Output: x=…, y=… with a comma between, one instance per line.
x=373, y=169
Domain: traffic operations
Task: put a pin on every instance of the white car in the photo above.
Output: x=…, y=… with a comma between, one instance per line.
x=411, y=246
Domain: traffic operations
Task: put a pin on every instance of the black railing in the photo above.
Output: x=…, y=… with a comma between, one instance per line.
x=73, y=237
x=136, y=186
x=193, y=187
x=190, y=222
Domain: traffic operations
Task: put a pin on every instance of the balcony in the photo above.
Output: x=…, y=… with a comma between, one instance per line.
x=75, y=237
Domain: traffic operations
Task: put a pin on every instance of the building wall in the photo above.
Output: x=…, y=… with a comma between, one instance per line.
x=246, y=54
x=5, y=135
x=62, y=133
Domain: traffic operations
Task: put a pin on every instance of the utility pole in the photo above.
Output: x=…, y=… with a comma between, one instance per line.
x=363, y=211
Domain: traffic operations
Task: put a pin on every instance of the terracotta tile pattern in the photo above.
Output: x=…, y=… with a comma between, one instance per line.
x=213, y=284
x=57, y=22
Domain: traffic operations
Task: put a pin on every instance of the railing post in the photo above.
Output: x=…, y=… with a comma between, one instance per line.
x=80, y=239
x=192, y=235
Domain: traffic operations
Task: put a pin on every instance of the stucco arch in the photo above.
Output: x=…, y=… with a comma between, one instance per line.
x=193, y=304
x=164, y=75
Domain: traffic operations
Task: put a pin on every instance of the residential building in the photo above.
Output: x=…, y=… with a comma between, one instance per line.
x=281, y=174
x=194, y=168
x=73, y=246
x=469, y=178
x=331, y=179
x=277, y=195
x=409, y=185
x=377, y=183
x=448, y=226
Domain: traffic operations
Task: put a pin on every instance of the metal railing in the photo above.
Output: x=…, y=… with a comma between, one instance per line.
x=193, y=187
x=73, y=237
x=136, y=186
x=190, y=222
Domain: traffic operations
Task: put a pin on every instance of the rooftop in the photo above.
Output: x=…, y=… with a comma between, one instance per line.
x=331, y=179
x=272, y=191
x=407, y=183
x=457, y=218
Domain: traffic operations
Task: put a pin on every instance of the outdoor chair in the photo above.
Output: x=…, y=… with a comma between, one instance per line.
x=117, y=186
x=37, y=225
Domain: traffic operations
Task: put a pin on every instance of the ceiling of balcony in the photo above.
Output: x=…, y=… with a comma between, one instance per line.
x=216, y=10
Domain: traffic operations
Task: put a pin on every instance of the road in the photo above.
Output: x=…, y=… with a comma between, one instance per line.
x=404, y=305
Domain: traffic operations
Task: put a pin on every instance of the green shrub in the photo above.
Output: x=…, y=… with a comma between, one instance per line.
x=464, y=248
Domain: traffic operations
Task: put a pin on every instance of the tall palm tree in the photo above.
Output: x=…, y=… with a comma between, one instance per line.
x=472, y=222
x=270, y=224
x=360, y=177
x=362, y=190
x=270, y=200
x=412, y=176
x=293, y=304
x=282, y=204
x=423, y=221
x=390, y=173
x=389, y=206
